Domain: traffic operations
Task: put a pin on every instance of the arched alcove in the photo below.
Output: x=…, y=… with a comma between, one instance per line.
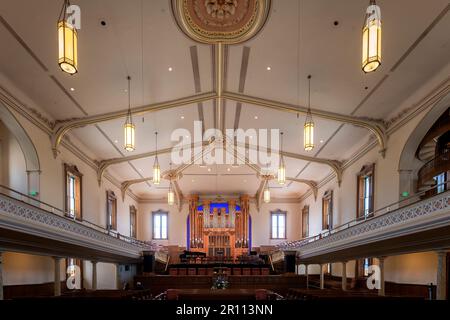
x=33, y=169
x=409, y=164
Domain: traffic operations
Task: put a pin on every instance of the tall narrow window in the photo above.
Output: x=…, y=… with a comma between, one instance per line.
x=363, y=266
x=160, y=225
x=111, y=210
x=72, y=187
x=133, y=222
x=365, y=185
x=440, y=182
x=327, y=210
x=278, y=225
x=305, y=222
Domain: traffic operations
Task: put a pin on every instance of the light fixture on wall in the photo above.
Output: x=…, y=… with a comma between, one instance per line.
x=281, y=167
x=371, y=38
x=267, y=193
x=156, y=168
x=129, y=129
x=308, y=128
x=67, y=42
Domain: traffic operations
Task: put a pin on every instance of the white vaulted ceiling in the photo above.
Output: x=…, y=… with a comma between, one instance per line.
x=141, y=39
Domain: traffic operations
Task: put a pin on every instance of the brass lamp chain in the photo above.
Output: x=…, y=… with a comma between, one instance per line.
x=281, y=149
x=308, y=113
x=63, y=13
x=156, y=152
x=129, y=117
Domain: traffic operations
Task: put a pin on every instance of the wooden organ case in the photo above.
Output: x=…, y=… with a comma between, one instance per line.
x=219, y=228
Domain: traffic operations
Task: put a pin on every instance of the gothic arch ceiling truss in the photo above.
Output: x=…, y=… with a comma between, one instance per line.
x=254, y=78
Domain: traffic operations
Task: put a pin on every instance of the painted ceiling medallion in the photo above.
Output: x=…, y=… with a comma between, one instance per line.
x=226, y=21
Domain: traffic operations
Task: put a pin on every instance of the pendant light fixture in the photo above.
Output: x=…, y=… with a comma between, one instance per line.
x=129, y=129
x=267, y=193
x=170, y=193
x=281, y=166
x=67, y=42
x=156, y=168
x=308, y=128
x=371, y=38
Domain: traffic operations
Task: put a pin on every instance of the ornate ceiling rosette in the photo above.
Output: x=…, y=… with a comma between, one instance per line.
x=225, y=21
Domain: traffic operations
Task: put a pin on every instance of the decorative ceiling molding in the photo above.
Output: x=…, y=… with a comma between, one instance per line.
x=312, y=185
x=220, y=21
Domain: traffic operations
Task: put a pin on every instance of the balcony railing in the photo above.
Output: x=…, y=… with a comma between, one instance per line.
x=432, y=168
x=52, y=210
x=407, y=201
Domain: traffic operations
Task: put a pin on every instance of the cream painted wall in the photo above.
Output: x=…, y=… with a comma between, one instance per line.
x=176, y=223
x=19, y=268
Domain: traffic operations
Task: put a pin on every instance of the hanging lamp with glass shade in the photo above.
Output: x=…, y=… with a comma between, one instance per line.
x=156, y=167
x=129, y=129
x=281, y=177
x=170, y=195
x=371, y=38
x=267, y=193
x=67, y=42
x=308, y=128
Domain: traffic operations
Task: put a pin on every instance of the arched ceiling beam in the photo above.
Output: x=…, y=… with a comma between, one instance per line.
x=104, y=164
x=335, y=165
x=312, y=185
x=63, y=127
x=377, y=127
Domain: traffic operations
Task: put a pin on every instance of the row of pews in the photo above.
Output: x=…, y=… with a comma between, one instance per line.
x=331, y=294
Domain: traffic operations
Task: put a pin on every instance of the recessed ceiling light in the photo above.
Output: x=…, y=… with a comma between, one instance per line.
x=269, y=68
x=209, y=169
x=193, y=180
x=116, y=141
x=72, y=89
x=228, y=169
x=256, y=117
x=321, y=141
x=182, y=117
x=170, y=69
x=125, y=90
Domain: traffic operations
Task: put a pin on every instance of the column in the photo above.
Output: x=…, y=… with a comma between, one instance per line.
x=57, y=283
x=118, y=280
x=441, y=279
x=1, y=276
x=94, y=275
x=381, y=291
x=322, y=284
x=307, y=276
x=344, y=276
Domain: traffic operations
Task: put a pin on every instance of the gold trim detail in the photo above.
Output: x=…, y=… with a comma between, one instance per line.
x=248, y=17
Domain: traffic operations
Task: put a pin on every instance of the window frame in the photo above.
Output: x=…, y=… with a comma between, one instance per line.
x=72, y=171
x=133, y=218
x=367, y=171
x=278, y=213
x=111, y=197
x=305, y=213
x=327, y=215
x=154, y=215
